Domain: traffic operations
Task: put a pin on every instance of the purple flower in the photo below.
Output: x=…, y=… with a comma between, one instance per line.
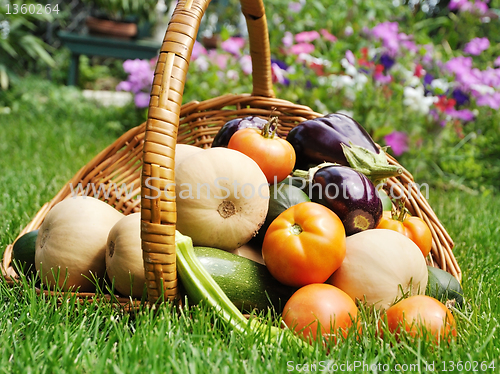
x=429, y=51
x=490, y=77
x=398, y=141
x=497, y=61
x=282, y=65
x=476, y=46
x=489, y=99
x=462, y=68
x=233, y=45
x=462, y=114
x=141, y=99
x=350, y=57
x=387, y=61
x=388, y=33
x=428, y=78
x=409, y=45
x=456, y=4
x=279, y=74
x=124, y=86
x=381, y=78
x=460, y=96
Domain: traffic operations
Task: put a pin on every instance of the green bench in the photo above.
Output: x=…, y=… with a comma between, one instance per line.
x=90, y=45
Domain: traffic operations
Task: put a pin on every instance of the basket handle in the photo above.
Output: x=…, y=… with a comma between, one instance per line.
x=158, y=209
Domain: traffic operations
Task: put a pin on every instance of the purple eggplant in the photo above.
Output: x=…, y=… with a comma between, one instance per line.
x=222, y=137
x=339, y=139
x=348, y=193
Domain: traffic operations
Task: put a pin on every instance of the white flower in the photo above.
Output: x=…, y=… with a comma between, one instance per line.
x=349, y=68
x=415, y=99
x=440, y=86
x=232, y=74
x=359, y=81
x=202, y=63
x=483, y=89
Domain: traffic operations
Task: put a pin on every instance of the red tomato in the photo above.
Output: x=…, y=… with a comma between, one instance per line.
x=275, y=156
x=304, y=244
x=320, y=303
x=418, y=314
x=412, y=227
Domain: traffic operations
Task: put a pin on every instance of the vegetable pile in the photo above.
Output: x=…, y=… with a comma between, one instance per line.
x=300, y=226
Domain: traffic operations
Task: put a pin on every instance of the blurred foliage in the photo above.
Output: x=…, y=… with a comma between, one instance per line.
x=21, y=49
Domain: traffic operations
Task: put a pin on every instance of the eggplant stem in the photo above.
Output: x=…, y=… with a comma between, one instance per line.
x=373, y=165
x=270, y=128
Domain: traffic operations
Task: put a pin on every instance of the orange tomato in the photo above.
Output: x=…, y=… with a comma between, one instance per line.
x=320, y=303
x=412, y=227
x=274, y=155
x=421, y=316
x=305, y=244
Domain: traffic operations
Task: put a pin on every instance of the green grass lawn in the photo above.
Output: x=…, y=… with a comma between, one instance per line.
x=50, y=133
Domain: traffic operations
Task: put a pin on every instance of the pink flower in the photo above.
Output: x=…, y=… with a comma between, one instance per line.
x=295, y=7
x=481, y=7
x=287, y=39
x=456, y=4
x=497, y=61
x=218, y=58
x=233, y=45
x=476, y=46
x=198, y=50
x=326, y=34
x=297, y=49
x=246, y=64
x=398, y=141
x=306, y=36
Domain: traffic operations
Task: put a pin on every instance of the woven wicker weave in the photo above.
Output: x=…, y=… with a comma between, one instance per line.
x=148, y=150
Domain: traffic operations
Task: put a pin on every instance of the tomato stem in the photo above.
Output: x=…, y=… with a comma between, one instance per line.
x=270, y=128
x=401, y=216
x=296, y=229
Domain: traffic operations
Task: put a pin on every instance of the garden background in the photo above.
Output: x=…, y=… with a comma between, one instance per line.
x=423, y=77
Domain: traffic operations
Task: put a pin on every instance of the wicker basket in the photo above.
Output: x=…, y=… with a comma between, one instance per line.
x=148, y=150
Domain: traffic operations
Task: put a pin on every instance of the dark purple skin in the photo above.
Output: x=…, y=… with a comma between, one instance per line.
x=355, y=199
x=230, y=127
x=319, y=140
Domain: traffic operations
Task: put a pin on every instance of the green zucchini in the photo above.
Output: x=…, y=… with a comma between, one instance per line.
x=200, y=286
x=444, y=286
x=23, y=251
x=248, y=284
x=282, y=196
